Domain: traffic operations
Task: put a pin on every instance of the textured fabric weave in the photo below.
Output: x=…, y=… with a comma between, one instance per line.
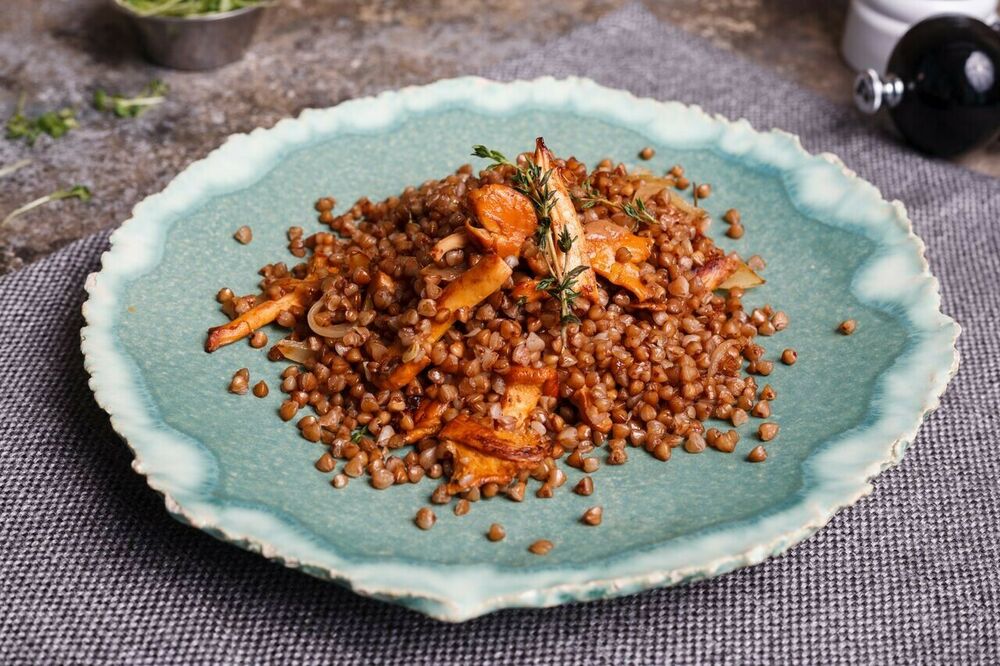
x=92, y=569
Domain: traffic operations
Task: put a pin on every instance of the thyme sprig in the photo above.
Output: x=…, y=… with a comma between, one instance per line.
x=564, y=291
x=634, y=208
x=591, y=197
x=535, y=184
x=359, y=433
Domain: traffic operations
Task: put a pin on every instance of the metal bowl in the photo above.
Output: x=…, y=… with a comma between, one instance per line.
x=197, y=42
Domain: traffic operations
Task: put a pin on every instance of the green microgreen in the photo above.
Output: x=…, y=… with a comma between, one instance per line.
x=13, y=168
x=53, y=123
x=181, y=8
x=131, y=107
x=81, y=192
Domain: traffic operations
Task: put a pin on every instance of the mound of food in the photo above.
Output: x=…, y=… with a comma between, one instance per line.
x=478, y=328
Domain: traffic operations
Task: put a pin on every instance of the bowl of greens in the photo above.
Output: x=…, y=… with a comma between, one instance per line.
x=193, y=34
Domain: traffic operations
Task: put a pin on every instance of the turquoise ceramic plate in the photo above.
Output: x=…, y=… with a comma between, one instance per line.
x=226, y=464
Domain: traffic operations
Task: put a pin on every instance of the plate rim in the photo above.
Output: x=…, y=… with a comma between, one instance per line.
x=114, y=381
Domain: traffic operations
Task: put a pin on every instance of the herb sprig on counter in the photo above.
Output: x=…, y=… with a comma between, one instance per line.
x=182, y=8
x=131, y=107
x=81, y=192
x=53, y=123
x=13, y=168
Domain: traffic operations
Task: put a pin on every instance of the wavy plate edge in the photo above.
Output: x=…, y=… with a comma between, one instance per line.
x=135, y=250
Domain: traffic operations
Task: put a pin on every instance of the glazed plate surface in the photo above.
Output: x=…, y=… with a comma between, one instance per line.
x=228, y=465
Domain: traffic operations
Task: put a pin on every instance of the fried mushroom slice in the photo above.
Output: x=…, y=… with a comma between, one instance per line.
x=258, y=316
x=472, y=469
x=565, y=218
x=426, y=420
x=529, y=291
x=525, y=387
x=604, y=240
x=468, y=290
x=482, y=454
x=455, y=241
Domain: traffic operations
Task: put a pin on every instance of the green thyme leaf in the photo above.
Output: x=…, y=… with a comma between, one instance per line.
x=495, y=156
x=565, y=240
x=359, y=433
x=636, y=209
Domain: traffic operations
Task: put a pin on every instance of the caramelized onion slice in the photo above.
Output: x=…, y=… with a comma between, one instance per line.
x=726, y=273
x=743, y=277
x=297, y=351
x=333, y=331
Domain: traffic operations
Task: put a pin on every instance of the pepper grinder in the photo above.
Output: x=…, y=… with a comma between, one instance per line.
x=941, y=86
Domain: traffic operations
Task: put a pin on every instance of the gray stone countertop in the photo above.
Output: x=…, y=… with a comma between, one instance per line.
x=309, y=53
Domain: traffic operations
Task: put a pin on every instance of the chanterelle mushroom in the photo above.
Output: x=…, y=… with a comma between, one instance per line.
x=604, y=240
x=482, y=453
x=260, y=315
x=506, y=218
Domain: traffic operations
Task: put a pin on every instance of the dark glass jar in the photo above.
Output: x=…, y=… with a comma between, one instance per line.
x=942, y=85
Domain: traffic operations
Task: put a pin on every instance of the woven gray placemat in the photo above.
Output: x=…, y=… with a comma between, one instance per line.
x=92, y=569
